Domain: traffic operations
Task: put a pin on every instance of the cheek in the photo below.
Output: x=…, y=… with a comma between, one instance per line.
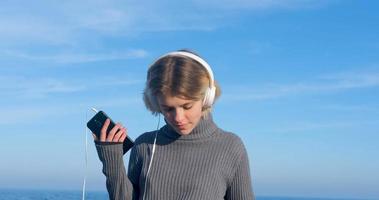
x=196, y=114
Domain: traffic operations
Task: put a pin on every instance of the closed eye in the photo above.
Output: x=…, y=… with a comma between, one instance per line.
x=187, y=106
x=167, y=109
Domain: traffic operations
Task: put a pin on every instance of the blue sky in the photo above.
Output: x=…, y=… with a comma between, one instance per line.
x=300, y=83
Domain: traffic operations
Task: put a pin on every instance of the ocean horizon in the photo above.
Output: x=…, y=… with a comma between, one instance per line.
x=38, y=194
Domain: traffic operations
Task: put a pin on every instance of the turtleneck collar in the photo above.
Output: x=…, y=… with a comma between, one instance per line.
x=204, y=129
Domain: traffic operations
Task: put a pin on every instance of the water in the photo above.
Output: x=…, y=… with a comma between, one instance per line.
x=49, y=195
x=91, y=195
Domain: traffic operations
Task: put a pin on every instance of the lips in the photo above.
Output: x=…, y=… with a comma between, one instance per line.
x=181, y=127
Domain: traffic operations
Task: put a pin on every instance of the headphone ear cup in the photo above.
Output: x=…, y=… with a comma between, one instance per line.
x=209, y=97
x=152, y=100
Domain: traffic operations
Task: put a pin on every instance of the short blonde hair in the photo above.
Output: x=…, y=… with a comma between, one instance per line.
x=178, y=76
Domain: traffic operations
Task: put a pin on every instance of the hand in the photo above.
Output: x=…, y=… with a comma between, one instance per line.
x=117, y=134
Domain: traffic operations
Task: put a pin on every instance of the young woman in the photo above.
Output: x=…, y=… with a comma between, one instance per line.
x=189, y=157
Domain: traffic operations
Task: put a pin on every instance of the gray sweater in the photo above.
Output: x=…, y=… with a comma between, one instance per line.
x=207, y=164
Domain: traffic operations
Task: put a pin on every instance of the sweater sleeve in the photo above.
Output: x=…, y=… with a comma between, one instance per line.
x=240, y=187
x=118, y=185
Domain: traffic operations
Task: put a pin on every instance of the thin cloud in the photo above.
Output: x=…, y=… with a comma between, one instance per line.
x=78, y=57
x=28, y=29
x=116, y=81
x=263, y=4
x=73, y=21
x=30, y=113
x=121, y=101
x=22, y=87
x=309, y=126
x=354, y=80
x=350, y=108
x=18, y=86
x=326, y=83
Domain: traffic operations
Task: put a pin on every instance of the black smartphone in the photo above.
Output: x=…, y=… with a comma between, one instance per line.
x=96, y=123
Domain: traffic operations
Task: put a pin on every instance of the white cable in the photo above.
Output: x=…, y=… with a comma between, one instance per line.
x=86, y=161
x=86, y=157
x=94, y=110
x=152, y=156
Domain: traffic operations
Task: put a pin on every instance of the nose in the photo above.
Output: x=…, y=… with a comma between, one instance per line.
x=179, y=115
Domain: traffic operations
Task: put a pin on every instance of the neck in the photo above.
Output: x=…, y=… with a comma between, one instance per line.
x=204, y=129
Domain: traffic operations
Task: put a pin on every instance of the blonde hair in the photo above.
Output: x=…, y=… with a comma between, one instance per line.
x=179, y=76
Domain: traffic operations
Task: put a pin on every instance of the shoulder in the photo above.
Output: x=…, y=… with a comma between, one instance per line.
x=230, y=137
x=142, y=142
x=233, y=152
x=231, y=141
x=146, y=137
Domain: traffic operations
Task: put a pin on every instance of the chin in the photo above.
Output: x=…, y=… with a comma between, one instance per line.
x=184, y=132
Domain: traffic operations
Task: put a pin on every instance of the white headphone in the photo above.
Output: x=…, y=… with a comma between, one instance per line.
x=210, y=93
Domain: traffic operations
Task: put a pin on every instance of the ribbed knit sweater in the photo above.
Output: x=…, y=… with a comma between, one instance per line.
x=207, y=164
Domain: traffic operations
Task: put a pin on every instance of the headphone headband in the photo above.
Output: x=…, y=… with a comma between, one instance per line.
x=211, y=91
x=196, y=58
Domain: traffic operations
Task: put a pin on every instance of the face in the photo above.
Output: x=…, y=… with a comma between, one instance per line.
x=182, y=114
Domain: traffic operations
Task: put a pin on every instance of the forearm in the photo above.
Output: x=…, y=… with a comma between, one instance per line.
x=117, y=182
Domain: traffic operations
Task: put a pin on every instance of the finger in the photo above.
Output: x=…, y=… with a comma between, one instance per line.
x=112, y=132
x=103, y=132
x=118, y=134
x=123, y=137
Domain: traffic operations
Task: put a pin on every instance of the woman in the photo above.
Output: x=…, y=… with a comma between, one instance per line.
x=189, y=157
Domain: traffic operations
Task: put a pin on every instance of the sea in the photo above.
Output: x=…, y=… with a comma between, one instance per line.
x=11, y=194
